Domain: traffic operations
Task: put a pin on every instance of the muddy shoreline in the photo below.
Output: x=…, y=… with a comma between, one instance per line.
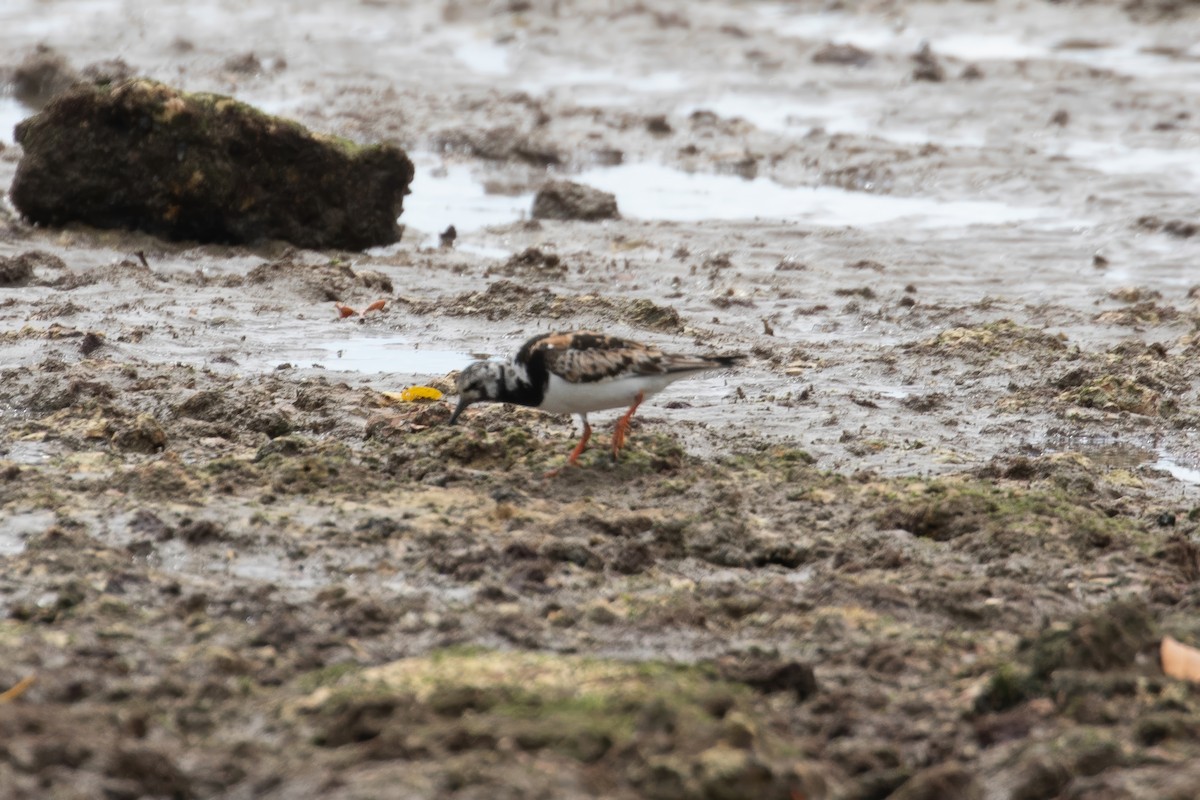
x=925, y=544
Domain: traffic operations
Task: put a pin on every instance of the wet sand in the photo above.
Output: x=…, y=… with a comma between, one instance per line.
x=957, y=477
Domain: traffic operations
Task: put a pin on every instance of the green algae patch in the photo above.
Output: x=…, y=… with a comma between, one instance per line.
x=993, y=337
x=493, y=437
x=997, y=519
x=1114, y=394
x=647, y=722
x=142, y=155
x=647, y=314
x=527, y=685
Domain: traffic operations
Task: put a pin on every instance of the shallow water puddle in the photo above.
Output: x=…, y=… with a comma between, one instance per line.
x=11, y=112
x=651, y=191
x=15, y=528
x=1115, y=158
x=30, y=453
x=605, y=87
x=392, y=355
x=450, y=194
x=1185, y=474
x=835, y=115
x=483, y=56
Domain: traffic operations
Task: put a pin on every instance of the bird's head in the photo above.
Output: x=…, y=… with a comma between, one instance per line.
x=478, y=383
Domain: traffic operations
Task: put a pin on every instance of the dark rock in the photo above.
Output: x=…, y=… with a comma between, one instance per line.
x=1175, y=227
x=574, y=551
x=924, y=403
x=632, y=559
x=143, y=155
x=201, y=531
x=567, y=200
x=658, y=125
x=651, y=315
x=846, y=54
x=1040, y=776
x=1161, y=726
x=726, y=773
x=145, y=435
x=15, y=270
x=927, y=68
x=205, y=405
x=272, y=422
x=285, y=446
x=504, y=143
x=942, y=782
x=769, y=675
x=355, y=720
x=244, y=64
x=152, y=772
x=90, y=343
x=148, y=525
x=531, y=261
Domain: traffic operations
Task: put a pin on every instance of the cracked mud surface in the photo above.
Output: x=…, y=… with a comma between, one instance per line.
x=924, y=545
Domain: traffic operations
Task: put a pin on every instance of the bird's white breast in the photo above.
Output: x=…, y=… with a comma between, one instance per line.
x=579, y=398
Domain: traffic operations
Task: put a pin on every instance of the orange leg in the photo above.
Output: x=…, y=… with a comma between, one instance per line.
x=622, y=428
x=573, y=459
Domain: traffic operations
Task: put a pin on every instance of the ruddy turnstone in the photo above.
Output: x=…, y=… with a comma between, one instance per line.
x=577, y=372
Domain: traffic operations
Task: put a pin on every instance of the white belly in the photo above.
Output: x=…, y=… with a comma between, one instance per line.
x=580, y=398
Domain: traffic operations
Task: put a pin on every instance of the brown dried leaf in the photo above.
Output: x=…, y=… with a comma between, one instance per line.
x=1180, y=661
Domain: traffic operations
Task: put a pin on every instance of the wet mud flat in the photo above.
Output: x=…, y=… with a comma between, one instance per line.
x=925, y=544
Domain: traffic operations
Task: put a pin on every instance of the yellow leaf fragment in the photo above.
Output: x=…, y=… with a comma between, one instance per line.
x=415, y=393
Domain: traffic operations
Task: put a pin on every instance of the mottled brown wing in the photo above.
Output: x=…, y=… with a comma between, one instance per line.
x=587, y=356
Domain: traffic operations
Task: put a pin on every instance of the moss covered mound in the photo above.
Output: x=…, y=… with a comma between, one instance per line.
x=652, y=729
x=143, y=155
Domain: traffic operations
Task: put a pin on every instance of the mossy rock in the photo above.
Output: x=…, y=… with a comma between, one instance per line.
x=1003, y=335
x=999, y=520
x=142, y=155
x=629, y=715
x=1114, y=393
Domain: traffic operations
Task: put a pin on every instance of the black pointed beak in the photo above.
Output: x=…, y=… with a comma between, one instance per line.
x=462, y=404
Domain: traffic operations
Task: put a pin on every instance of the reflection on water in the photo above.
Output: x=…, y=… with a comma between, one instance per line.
x=375, y=355
x=651, y=191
